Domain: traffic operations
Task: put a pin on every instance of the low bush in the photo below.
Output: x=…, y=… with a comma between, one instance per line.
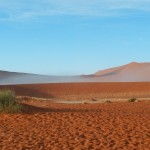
x=8, y=102
x=93, y=99
x=107, y=101
x=132, y=100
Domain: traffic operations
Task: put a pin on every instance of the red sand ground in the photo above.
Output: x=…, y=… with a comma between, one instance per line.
x=114, y=126
x=45, y=125
x=79, y=91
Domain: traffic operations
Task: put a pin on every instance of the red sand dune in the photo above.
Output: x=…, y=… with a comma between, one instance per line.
x=115, y=126
x=132, y=72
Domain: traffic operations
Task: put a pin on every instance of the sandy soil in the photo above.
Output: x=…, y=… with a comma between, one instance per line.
x=121, y=126
x=84, y=91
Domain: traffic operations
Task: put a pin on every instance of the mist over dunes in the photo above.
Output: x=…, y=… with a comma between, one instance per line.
x=132, y=72
x=7, y=78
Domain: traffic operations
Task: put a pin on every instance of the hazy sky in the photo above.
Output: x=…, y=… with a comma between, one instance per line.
x=69, y=37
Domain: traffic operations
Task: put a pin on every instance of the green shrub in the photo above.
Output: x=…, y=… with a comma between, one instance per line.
x=13, y=109
x=8, y=102
x=132, y=100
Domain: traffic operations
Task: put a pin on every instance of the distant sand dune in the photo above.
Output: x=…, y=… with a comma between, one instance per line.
x=133, y=72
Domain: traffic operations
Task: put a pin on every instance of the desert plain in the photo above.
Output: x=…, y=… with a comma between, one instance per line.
x=78, y=116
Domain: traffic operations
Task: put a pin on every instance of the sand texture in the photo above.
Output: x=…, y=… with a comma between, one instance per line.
x=114, y=126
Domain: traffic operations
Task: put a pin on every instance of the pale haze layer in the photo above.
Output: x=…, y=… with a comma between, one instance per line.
x=66, y=37
x=132, y=72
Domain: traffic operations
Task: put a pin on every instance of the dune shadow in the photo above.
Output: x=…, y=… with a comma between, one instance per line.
x=30, y=109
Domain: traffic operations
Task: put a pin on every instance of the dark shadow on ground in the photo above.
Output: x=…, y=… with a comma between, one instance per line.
x=30, y=109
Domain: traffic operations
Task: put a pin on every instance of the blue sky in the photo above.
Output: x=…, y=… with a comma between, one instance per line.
x=71, y=37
